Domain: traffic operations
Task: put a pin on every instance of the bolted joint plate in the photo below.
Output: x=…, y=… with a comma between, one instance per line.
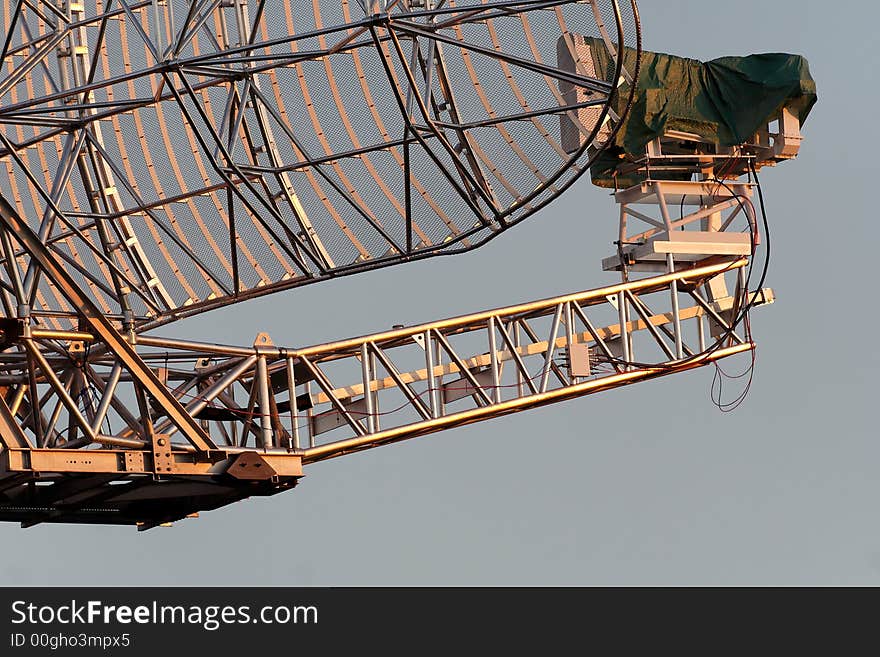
x=163, y=456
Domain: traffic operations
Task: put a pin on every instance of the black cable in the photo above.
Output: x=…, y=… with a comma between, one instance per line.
x=727, y=407
x=740, y=315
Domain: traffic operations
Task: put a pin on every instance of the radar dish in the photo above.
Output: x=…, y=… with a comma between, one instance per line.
x=179, y=156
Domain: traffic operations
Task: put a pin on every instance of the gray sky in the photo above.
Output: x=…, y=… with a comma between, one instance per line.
x=783, y=491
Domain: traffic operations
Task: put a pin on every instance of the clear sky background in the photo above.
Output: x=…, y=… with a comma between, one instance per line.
x=783, y=491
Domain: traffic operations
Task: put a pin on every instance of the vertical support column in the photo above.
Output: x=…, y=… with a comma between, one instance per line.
x=670, y=269
x=624, y=330
x=676, y=315
x=438, y=359
x=432, y=380
x=309, y=423
x=294, y=409
x=493, y=360
x=621, y=244
x=367, y=377
x=520, y=391
x=716, y=286
x=569, y=334
x=375, y=395
x=265, y=418
x=262, y=383
x=744, y=300
x=621, y=235
x=701, y=333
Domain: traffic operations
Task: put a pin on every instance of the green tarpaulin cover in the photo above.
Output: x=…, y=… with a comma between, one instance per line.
x=725, y=100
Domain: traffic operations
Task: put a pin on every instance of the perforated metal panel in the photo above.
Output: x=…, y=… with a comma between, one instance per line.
x=182, y=155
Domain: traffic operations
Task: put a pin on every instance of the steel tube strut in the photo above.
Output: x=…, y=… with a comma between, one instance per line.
x=340, y=448
x=102, y=327
x=342, y=390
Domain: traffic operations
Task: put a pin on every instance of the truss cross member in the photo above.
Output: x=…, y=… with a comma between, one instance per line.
x=102, y=327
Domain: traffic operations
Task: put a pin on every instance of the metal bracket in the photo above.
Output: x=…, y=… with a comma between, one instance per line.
x=163, y=457
x=251, y=466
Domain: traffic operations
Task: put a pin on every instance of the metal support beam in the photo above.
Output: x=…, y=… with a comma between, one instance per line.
x=102, y=327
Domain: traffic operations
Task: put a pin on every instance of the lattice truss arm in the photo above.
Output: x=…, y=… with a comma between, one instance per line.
x=419, y=380
x=263, y=411
x=215, y=424
x=68, y=391
x=177, y=156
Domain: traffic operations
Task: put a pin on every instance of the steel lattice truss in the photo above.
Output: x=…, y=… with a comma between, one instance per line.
x=264, y=411
x=165, y=157
x=180, y=155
